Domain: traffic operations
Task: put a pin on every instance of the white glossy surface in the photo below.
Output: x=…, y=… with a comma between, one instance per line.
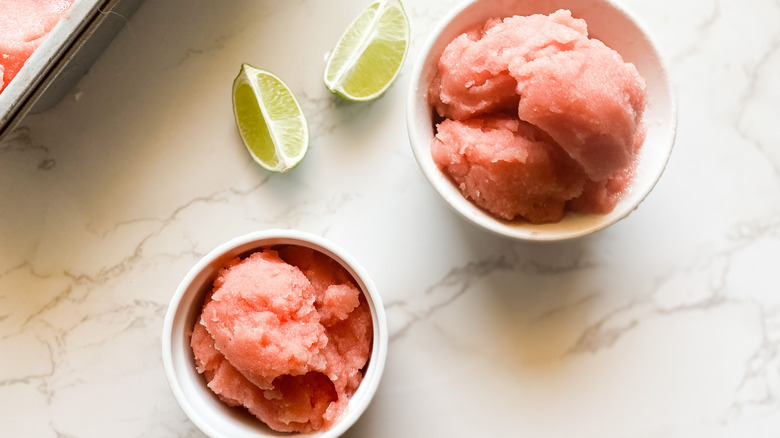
x=666, y=324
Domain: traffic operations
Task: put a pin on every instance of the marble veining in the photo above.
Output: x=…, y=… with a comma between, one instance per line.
x=666, y=324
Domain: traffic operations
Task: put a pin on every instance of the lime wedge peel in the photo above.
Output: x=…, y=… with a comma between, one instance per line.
x=369, y=55
x=269, y=119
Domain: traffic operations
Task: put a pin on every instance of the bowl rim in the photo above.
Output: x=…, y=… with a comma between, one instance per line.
x=259, y=239
x=519, y=229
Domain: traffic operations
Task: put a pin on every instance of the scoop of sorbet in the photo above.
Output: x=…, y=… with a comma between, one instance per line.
x=507, y=167
x=583, y=101
x=286, y=342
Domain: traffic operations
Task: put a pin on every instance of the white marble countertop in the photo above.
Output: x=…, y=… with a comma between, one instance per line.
x=666, y=324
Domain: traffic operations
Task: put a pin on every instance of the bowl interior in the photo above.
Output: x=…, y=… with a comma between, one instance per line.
x=607, y=22
x=200, y=404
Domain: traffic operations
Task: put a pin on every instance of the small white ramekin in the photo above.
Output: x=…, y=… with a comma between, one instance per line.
x=606, y=21
x=202, y=406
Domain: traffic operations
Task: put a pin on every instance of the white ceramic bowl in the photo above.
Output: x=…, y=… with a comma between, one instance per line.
x=606, y=21
x=204, y=409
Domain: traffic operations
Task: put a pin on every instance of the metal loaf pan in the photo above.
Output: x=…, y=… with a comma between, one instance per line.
x=63, y=57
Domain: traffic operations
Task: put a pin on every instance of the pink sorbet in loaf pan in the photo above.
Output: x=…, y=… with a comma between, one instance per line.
x=286, y=334
x=536, y=118
x=23, y=26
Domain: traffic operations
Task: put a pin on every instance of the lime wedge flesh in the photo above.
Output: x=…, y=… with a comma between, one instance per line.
x=269, y=119
x=369, y=55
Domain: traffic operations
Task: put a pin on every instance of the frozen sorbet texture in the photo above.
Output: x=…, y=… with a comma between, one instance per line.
x=537, y=119
x=23, y=26
x=284, y=333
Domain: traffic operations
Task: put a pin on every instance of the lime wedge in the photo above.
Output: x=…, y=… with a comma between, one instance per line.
x=269, y=119
x=369, y=55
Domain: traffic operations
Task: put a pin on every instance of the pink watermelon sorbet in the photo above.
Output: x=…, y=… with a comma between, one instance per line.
x=23, y=26
x=286, y=334
x=536, y=118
